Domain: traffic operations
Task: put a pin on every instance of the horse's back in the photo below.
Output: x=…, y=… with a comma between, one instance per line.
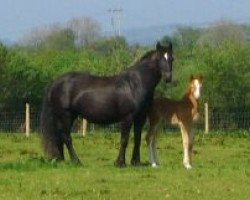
x=95, y=98
x=83, y=80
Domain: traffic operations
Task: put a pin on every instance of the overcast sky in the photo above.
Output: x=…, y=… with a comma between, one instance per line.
x=17, y=17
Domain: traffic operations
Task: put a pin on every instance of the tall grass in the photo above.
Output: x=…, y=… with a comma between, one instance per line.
x=221, y=169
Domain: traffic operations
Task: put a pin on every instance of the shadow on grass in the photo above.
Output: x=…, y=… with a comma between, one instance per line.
x=36, y=163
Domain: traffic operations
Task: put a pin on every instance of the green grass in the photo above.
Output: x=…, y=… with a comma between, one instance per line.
x=221, y=169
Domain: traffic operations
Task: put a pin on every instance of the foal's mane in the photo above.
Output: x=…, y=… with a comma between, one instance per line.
x=188, y=89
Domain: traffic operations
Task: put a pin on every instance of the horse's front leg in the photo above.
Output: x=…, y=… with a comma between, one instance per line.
x=138, y=125
x=187, y=139
x=125, y=129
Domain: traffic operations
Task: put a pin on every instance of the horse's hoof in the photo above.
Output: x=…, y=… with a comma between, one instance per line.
x=78, y=163
x=135, y=162
x=188, y=166
x=119, y=164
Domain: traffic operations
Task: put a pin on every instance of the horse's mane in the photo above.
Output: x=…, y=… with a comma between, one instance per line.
x=187, y=91
x=147, y=55
x=130, y=76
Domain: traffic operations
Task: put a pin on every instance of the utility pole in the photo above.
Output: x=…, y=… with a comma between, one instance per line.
x=116, y=20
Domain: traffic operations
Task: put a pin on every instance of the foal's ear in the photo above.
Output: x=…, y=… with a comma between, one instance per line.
x=192, y=77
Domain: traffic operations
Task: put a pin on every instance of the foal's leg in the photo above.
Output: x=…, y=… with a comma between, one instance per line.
x=151, y=142
x=125, y=129
x=187, y=139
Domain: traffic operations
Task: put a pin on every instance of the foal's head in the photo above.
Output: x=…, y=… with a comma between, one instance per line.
x=195, y=85
x=165, y=60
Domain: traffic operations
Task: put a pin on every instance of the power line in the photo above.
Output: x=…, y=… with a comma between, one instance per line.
x=116, y=20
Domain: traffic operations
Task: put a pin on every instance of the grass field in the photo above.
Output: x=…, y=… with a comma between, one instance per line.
x=221, y=169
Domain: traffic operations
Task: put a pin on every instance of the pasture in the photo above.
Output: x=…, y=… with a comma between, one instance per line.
x=221, y=169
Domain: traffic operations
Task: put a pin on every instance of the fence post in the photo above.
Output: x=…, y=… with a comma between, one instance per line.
x=27, y=120
x=84, y=127
x=206, y=118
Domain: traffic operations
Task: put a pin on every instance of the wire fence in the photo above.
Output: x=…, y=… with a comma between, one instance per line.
x=218, y=119
x=15, y=121
x=224, y=120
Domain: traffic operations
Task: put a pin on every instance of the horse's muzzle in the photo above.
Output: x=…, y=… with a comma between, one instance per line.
x=167, y=77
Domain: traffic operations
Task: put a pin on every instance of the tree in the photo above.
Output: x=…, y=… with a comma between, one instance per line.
x=62, y=38
x=108, y=45
x=53, y=37
x=3, y=56
x=170, y=38
x=3, y=62
x=184, y=36
x=35, y=37
x=226, y=69
x=187, y=36
x=222, y=31
x=86, y=30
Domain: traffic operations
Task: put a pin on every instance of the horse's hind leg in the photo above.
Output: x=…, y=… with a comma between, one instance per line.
x=60, y=149
x=58, y=152
x=67, y=139
x=72, y=153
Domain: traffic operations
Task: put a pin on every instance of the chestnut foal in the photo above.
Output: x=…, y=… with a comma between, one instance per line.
x=183, y=112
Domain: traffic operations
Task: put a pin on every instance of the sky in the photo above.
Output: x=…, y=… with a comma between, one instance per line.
x=18, y=17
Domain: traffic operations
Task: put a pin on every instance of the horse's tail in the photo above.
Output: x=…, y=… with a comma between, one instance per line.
x=51, y=137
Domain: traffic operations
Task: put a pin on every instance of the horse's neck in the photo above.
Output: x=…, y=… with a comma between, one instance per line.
x=150, y=75
x=194, y=101
x=191, y=100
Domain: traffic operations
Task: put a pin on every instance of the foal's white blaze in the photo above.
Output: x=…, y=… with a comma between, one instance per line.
x=197, y=86
x=166, y=56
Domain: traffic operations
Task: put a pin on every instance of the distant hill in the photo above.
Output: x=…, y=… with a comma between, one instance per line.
x=7, y=42
x=148, y=35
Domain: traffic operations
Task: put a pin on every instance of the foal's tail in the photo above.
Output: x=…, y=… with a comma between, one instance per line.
x=51, y=137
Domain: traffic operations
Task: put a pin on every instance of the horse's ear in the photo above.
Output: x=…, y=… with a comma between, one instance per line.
x=158, y=46
x=170, y=46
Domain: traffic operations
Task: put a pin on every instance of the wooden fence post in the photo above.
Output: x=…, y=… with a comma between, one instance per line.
x=27, y=120
x=206, y=118
x=84, y=127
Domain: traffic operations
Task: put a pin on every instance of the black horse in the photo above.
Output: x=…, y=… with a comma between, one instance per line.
x=125, y=98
